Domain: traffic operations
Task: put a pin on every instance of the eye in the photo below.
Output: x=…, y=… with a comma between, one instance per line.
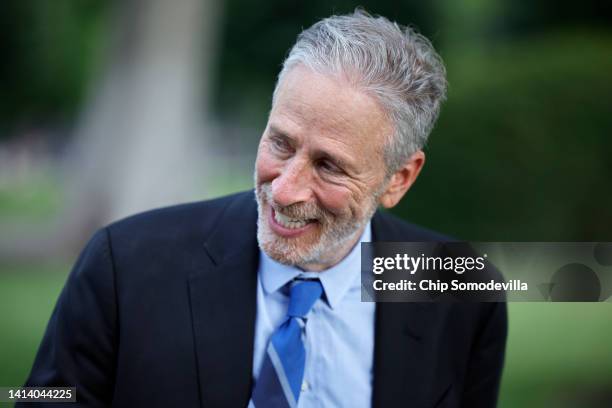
x=280, y=145
x=329, y=167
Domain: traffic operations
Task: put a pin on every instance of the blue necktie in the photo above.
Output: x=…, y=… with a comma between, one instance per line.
x=282, y=371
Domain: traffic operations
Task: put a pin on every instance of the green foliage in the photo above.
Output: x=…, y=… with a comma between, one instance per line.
x=48, y=51
x=522, y=148
x=256, y=38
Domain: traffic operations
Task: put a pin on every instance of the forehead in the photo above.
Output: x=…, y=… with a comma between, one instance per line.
x=314, y=107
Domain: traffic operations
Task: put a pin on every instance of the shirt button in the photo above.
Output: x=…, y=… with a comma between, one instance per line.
x=305, y=386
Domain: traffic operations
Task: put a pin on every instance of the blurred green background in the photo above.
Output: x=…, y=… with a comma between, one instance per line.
x=92, y=91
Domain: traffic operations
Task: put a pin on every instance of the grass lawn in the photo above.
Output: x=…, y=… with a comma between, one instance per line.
x=559, y=355
x=27, y=296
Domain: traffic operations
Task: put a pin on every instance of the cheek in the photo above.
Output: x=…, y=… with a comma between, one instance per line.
x=267, y=167
x=339, y=200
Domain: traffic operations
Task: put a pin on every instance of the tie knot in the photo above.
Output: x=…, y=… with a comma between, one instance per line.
x=302, y=296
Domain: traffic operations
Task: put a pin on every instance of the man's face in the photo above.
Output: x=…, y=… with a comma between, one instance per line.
x=319, y=169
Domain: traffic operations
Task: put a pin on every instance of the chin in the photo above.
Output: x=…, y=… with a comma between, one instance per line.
x=288, y=251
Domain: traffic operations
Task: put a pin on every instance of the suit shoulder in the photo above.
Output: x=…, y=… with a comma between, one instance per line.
x=198, y=217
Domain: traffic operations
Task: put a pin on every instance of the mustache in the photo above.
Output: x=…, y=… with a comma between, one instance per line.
x=297, y=210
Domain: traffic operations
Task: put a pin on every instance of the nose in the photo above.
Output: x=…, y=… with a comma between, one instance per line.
x=293, y=184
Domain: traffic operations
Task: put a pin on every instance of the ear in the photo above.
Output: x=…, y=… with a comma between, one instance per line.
x=402, y=180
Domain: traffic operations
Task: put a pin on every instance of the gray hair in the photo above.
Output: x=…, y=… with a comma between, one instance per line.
x=392, y=62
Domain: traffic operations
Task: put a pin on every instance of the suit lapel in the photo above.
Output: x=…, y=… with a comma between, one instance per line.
x=223, y=299
x=223, y=302
x=400, y=340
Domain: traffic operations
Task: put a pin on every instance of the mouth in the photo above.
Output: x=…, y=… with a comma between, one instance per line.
x=289, y=227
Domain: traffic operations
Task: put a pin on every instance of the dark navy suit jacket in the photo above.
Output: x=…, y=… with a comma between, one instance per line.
x=159, y=311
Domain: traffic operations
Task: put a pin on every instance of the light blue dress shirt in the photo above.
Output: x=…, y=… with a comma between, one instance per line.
x=339, y=336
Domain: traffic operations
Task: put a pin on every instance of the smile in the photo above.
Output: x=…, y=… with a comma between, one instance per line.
x=289, y=222
x=287, y=226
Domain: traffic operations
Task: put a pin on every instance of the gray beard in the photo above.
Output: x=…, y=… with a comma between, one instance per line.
x=335, y=235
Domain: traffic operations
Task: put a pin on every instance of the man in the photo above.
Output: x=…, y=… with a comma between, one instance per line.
x=241, y=301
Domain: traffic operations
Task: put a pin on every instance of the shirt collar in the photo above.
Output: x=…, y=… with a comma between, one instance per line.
x=336, y=281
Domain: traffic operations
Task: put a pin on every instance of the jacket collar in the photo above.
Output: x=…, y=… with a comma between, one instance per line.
x=223, y=302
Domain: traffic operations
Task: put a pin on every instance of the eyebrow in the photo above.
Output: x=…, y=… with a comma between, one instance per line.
x=318, y=153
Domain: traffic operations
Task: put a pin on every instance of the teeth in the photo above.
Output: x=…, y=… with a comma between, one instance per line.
x=288, y=222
